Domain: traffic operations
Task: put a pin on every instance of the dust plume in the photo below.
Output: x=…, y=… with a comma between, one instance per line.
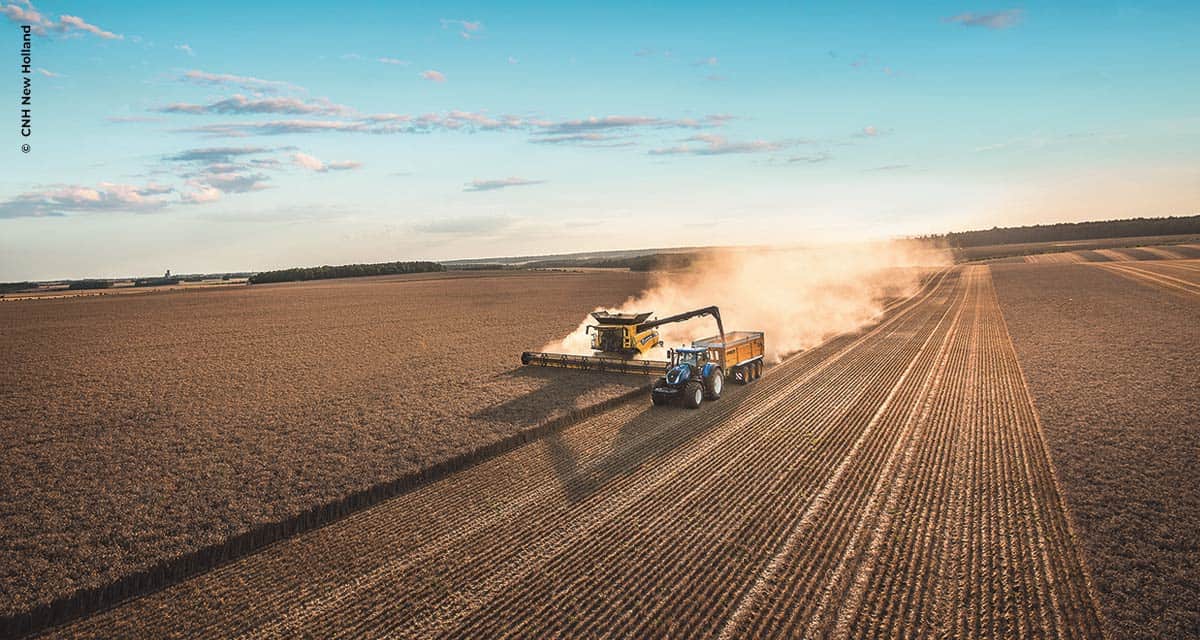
x=798, y=296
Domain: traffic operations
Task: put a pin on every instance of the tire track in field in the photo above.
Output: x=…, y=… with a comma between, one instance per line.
x=969, y=537
x=696, y=476
x=225, y=588
x=1147, y=277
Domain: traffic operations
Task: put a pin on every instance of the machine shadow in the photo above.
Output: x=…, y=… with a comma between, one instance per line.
x=650, y=434
x=559, y=389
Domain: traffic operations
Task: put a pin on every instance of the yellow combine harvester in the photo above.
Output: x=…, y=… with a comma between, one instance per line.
x=618, y=339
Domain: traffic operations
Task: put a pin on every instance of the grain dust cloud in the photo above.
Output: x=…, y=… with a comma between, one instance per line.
x=798, y=296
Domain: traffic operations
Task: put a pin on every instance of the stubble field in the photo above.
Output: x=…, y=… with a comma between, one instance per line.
x=1113, y=359
x=140, y=429
x=890, y=482
x=1008, y=453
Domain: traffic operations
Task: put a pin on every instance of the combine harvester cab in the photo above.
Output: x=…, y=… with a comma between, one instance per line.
x=699, y=372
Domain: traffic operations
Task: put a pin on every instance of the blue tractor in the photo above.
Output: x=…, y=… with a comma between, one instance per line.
x=691, y=377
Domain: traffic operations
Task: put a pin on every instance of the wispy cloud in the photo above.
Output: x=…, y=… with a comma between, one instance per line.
x=872, y=131
x=714, y=145
x=810, y=159
x=394, y=61
x=468, y=30
x=433, y=76
x=706, y=62
x=502, y=183
x=512, y=60
x=543, y=130
x=186, y=49
x=584, y=140
x=888, y=167
x=48, y=73
x=998, y=20
x=69, y=199
x=248, y=83
x=313, y=164
x=239, y=104
x=609, y=123
x=216, y=154
x=23, y=12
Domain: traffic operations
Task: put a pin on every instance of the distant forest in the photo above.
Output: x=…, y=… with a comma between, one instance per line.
x=652, y=262
x=344, y=271
x=1074, y=231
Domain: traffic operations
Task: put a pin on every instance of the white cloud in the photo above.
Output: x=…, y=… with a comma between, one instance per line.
x=248, y=83
x=713, y=145
x=186, y=49
x=239, y=104
x=23, y=12
x=395, y=61
x=502, y=183
x=66, y=199
x=998, y=20
x=312, y=163
x=433, y=76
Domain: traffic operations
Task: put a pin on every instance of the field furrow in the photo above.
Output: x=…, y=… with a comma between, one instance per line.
x=888, y=483
x=1187, y=286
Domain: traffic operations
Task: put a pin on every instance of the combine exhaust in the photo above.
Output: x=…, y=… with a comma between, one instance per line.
x=594, y=363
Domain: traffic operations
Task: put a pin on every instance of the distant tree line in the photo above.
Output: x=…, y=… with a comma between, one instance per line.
x=652, y=262
x=89, y=284
x=344, y=271
x=13, y=287
x=1174, y=225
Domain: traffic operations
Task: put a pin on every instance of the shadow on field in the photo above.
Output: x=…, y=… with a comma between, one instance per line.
x=558, y=390
x=649, y=435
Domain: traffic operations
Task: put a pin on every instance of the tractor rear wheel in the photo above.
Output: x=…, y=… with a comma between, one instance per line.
x=715, y=384
x=693, y=395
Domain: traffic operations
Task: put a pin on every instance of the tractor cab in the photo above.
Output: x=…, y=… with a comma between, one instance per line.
x=694, y=356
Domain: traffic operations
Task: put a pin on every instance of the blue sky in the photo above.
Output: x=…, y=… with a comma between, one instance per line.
x=232, y=135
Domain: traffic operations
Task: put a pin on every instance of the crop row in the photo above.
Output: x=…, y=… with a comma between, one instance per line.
x=893, y=482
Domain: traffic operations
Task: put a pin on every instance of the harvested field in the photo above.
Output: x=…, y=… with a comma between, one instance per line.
x=140, y=429
x=1113, y=361
x=1181, y=277
x=999, y=252
x=894, y=482
x=1171, y=252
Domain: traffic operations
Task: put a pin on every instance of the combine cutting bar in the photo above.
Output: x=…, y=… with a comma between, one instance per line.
x=594, y=363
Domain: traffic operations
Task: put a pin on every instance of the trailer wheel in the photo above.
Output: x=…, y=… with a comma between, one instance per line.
x=715, y=384
x=693, y=395
x=757, y=369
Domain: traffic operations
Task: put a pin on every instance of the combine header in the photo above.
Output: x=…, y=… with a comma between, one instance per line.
x=617, y=340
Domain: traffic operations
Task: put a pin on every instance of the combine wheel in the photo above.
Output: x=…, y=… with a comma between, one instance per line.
x=693, y=395
x=715, y=385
